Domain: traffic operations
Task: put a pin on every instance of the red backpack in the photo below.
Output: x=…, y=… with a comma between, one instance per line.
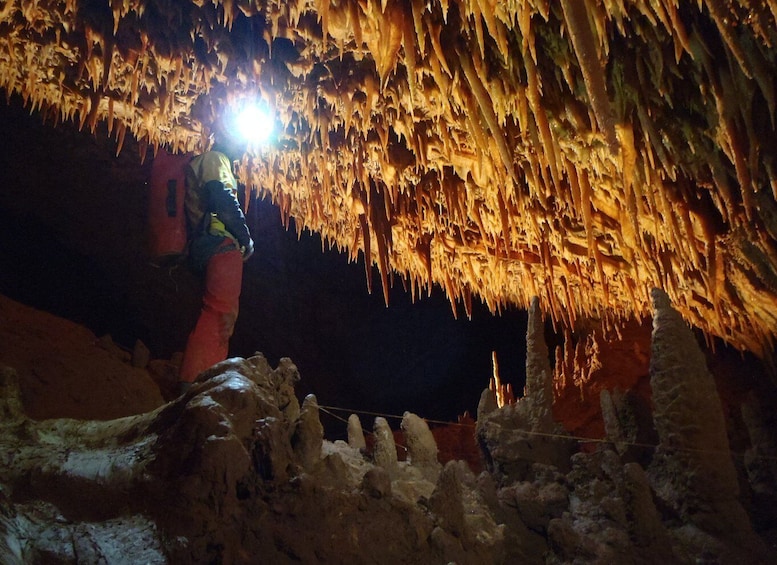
x=167, y=234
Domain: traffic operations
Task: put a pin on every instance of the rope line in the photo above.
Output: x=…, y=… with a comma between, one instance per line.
x=326, y=409
x=579, y=439
x=444, y=422
x=335, y=416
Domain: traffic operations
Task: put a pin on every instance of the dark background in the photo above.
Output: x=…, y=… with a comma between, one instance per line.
x=73, y=243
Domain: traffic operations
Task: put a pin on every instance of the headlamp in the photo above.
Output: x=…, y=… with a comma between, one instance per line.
x=254, y=124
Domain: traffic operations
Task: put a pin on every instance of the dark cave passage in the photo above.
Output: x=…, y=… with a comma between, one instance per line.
x=74, y=238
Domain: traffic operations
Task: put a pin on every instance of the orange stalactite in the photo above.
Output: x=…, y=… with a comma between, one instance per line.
x=563, y=134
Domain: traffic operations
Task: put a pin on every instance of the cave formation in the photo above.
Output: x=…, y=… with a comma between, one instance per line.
x=568, y=157
x=501, y=150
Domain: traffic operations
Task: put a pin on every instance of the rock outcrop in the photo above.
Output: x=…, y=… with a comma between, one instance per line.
x=232, y=471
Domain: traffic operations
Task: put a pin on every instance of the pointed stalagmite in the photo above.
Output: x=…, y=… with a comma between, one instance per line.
x=539, y=376
x=309, y=435
x=355, y=433
x=447, y=500
x=385, y=454
x=520, y=435
x=421, y=446
x=692, y=470
x=487, y=404
x=612, y=425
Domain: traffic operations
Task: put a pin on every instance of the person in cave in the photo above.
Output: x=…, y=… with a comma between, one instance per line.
x=219, y=243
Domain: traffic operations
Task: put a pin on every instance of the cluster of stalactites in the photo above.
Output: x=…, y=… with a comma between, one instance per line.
x=582, y=152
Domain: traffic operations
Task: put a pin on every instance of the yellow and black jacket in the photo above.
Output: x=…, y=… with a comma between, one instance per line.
x=213, y=211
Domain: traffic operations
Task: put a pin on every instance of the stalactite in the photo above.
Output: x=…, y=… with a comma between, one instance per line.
x=507, y=103
x=409, y=45
x=434, y=36
x=535, y=103
x=584, y=44
x=417, y=8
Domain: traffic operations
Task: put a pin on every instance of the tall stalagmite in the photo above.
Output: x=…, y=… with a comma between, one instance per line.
x=518, y=436
x=538, y=395
x=692, y=471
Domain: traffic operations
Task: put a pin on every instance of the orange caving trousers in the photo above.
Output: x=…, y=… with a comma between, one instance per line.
x=209, y=341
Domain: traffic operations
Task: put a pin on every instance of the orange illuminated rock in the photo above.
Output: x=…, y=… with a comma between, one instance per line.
x=501, y=150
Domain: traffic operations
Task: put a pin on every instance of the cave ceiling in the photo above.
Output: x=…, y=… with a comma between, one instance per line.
x=583, y=151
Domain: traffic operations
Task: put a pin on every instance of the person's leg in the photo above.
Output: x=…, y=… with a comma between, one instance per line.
x=209, y=341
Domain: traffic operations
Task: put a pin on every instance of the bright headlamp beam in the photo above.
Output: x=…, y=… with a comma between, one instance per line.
x=254, y=124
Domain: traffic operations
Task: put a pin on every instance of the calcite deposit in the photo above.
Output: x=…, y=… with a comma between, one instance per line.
x=583, y=152
x=236, y=471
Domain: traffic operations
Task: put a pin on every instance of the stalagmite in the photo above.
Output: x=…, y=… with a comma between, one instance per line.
x=692, y=470
x=421, y=446
x=377, y=483
x=522, y=435
x=617, y=432
x=385, y=451
x=309, y=434
x=487, y=404
x=355, y=433
x=538, y=394
x=447, y=500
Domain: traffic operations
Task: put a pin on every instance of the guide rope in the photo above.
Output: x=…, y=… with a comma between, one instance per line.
x=579, y=439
